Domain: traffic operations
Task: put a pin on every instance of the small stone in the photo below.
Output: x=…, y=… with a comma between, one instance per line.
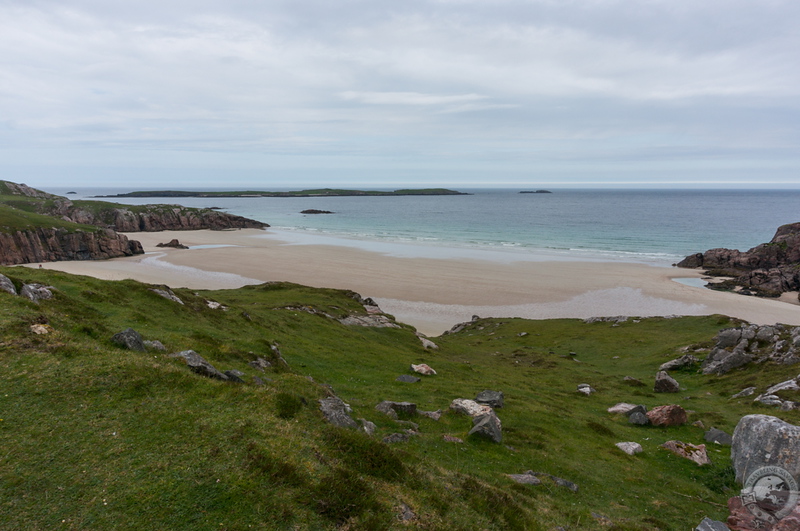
x=337, y=412
x=396, y=438
x=395, y=409
x=621, y=407
x=367, y=426
x=493, y=399
x=423, y=369
x=711, y=525
x=689, y=451
x=469, y=407
x=450, y=438
x=199, y=365
x=718, y=436
x=234, y=376
x=666, y=383
x=407, y=378
x=528, y=478
x=586, y=389
x=40, y=329
x=634, y=382
x=630, y=448
x=434, y=415
x=260, y=363
x=154, y=345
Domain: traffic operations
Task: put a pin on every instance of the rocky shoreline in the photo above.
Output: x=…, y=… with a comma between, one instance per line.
x=767, y=270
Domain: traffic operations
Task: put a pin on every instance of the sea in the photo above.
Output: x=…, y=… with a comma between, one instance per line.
x=657, y=227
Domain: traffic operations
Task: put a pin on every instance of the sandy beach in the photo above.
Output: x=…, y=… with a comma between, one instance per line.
x=432, y=294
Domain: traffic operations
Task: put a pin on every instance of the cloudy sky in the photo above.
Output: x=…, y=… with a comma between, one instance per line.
x=383, y=93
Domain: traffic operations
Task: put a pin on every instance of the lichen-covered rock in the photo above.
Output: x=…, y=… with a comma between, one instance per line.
x=129, y=339
x=488, y=425
x=665, y=383
x=337, y=412
x=669, y=415
x=696, y=453
x=199, y=365
x=7, y=286
x=36, y=292
x=469, y=407
x=621, y=407
x=763, y=440
x=630, y=448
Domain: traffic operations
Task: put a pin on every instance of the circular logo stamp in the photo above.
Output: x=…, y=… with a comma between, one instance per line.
x=770, y=493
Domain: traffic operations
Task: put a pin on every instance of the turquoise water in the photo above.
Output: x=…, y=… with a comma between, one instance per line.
x=656, y=226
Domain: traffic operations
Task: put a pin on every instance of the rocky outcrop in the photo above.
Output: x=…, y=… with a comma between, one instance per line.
x=163, y=217
x=54, y=244
x=768, y=269
x=736, y=347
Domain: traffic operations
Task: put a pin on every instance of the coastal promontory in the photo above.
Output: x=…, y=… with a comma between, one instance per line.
x=320, y=192
x=767, y=270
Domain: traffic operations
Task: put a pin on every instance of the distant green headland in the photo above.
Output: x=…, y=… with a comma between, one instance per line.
x=322, y=192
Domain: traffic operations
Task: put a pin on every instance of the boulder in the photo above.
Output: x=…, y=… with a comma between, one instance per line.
x=199, y=365
x=666, y=383
x=630, y=448
x=721, y=361
x=234, y=376
x=174, y=243
x=423, y=369
x=669, y=415
x=493, y=399
x=36, y=292
x=679, y=363
x=129, y=339
x=763, y=440
x=718, y=436
x=337, y=412
x=640, y=419
x=688, y=451
x=621, y=407
x=154, y=345
x=487, y=425
x=6, y=285
x=637, y=409
x=469, y=407
x=397, y=409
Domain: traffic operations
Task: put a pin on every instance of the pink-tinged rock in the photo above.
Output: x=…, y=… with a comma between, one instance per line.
x=450, y=438
x=465, y=406
x=691, y=452
x=669, y=415
x=423, y=368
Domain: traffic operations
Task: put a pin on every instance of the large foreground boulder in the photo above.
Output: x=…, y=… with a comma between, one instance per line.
x=762, y=440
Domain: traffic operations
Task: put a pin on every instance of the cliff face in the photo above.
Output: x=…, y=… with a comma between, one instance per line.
x=770, y=268
x=52, y=244
x=162, y=217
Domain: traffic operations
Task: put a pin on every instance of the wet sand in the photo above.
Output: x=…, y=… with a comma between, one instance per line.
x=432, y=294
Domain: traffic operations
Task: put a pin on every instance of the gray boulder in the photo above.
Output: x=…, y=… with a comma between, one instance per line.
x=260, y=363
x=749, y=391
x=129, y=339
x=199, y=365
x=493, y=399
x=397, y=409
x=337, y=412
x=36, y=292
x=684, y=361
x=721, y=361
x=234, y=376
x=6, y=285
x=729, y=337
x=167, y=294
x=407, y=378
x=666, y=383
x=154, y=345
x=640, y=419
x=762, y=440
x=718, y=436
x=487, y=425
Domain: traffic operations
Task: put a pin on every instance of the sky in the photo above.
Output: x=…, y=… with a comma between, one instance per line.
x=383, y=93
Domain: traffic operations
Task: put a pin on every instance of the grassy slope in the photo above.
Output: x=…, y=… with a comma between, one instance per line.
x=102, y=438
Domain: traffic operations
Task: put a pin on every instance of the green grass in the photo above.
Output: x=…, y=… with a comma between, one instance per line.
x=95, y=437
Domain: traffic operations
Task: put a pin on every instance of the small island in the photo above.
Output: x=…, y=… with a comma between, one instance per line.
x=536, y=192
x=322, y=192
x=315, y=211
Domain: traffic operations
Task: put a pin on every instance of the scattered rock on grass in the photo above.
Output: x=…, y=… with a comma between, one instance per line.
x=630, y=448
x=621, y=407
x=711, y=525
x=234, y=376
x=666, y=383
x=487, y=425
x=718, y=436
x=154, y=345
x=493, y=399
x=40, y=329
x=6, y=285
x=36, y=292
x=669, y=415
x=167, y=294
x=407, y=378
x=199, y=365
x=423, y=369
x=745, y=392
x=691, y=452
x=684, y=361
x=260, y=363
x=129, y=339
x=337, y=412
x=451, y=438
x=586, y=389
x=367, y=426
x=527, y=478
x=395, y=409
x=434, y=415
x=469, y=407
x=638, y=418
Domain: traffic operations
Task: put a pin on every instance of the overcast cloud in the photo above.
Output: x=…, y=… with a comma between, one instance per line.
x=384, y=93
